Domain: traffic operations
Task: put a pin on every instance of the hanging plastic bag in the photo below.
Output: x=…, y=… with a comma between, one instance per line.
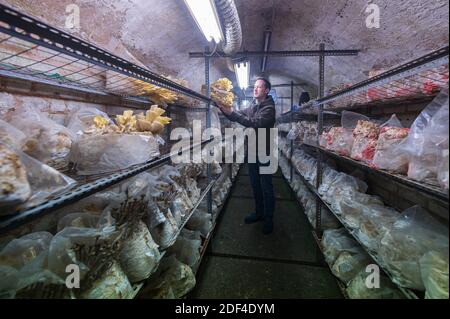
x=358, y=289
x=439, y=131
x=389, y=153
x=165, y=233
x=58, y=111
x=81, y=220
x=179, y=276
x=107, y=153
x=139, y=186
x=44, y=180
x=46, y=140
x=338, y=139
x=443, y=167
x=42, y=284
x=365, y=140
x=349, y=120
x=216, y=169
x=193, y=190
x=413, y=234
x=11, y=136
x=334, y=242
x=97, y=202
x=9, y=279
x=14, y=186
x=28, y=251
x=181, y=205
x=353, y=122
x=173, y=280
x=186, y=250
x=434, y=271
x=140, y=255
x=192, y=170
x=62, y=251
x=8, y=102
x=190, y=234
x=113, y=284
x=328, y=177
x=349, y=264
x=200, y=117
x=293, y=132
x=168, y=174
x=428, y=130
x=342, y=187
x=155, y=217
x=376, y=222
x=81, y=119
x=200, y=221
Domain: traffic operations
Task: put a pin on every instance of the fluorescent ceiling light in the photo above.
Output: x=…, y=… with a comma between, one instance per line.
x=205, y=14
x=242, y=70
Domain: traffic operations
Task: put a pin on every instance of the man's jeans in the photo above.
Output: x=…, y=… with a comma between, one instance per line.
x=262, y=191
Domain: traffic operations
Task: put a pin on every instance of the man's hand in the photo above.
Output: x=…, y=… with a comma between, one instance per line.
x=225, y=110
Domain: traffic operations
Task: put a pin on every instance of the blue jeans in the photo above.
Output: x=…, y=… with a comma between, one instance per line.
x=262, y=191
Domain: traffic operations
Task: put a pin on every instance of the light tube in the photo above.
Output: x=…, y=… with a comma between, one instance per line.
x=205, y=15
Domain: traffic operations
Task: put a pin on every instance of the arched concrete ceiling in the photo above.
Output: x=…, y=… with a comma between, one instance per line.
x=160, y=33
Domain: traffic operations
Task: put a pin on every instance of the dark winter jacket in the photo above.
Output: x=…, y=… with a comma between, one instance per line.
x=257, y=116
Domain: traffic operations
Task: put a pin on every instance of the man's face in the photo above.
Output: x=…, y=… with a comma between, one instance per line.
x=260, y=90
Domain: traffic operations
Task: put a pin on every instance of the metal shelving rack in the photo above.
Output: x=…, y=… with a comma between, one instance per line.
x=420, y=79
x=292, y=114
x=205, y=192
x=79, y=192
x=34, y=52
x=207, y=239
x=416, y=81
x=316, y=239
x=340, y=284
x=428, y=188
x=407, y=292
x=41, y=57
x=140, y=285
x=65, y=59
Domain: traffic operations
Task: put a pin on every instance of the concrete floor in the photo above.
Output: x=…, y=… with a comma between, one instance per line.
x=243, y=263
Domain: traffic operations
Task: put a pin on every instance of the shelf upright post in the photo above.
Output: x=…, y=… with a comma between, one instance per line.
x=291, y=118
x=320, y=130
x=208, y=122
x=169, y=125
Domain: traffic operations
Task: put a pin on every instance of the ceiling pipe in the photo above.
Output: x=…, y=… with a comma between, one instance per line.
x=266, y=48
x=231, y=26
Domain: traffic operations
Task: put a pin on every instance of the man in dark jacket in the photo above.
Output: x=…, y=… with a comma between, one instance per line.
x=260, y=114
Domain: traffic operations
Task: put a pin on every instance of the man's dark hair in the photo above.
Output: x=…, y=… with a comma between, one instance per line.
x=266, y=83
x=304, y=98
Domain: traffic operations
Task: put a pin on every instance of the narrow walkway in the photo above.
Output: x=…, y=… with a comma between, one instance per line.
x=243, y=263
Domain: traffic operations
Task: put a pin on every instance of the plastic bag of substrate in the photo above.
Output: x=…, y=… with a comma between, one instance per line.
x=140, y=256
x=114, y=284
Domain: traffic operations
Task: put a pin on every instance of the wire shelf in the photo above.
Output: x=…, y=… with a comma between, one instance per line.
x=339, y=283
x=208, y=237
x=25, y=58
x=311, y=116
x=417, y=80
x=31, y=48
x=431, y=187
x=85, y=187
x=202, y=196
x=407, y=292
